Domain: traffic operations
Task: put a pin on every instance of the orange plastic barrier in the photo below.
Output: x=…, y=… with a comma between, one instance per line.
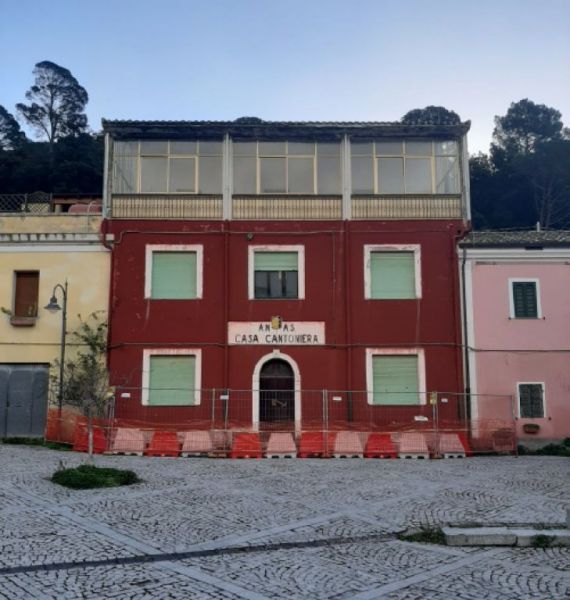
x=163, y=443
x=246, y=445
x=316, y=444
x=380, y=445
x=465, y=443
x=81, y=440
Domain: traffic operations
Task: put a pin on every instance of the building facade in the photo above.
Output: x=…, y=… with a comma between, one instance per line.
x=269, y=273
x=37, y=253
x=517, y=286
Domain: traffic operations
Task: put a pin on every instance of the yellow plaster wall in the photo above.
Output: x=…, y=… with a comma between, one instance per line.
x=87, y=273
x=49, y=223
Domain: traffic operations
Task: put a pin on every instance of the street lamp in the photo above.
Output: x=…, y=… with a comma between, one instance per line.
x=53, y=307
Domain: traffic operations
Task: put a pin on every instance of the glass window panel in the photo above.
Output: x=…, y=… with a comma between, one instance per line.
x=417, y=148
x=447, y=175
x=210, y=174
x=182, y=175
x=210, y=148
x=302, y=148
x=154, y=148
x=390, y=175
x=272, y=175
x=328, y=149
x=389, y=148
x=183, y=147
x=245, y=148
x=446, y=148
x=271, y=148
x=245, y=175
x=418, y=176
x=275, y=284
x=125, y=174
x=328, y=175
x=362, y=175
x=153, y=175
x=361, y=148
x=301, y=176
x=126, y=148
x=290, y=280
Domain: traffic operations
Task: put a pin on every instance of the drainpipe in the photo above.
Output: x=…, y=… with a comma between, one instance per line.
x=465, y=337
x=108, y=246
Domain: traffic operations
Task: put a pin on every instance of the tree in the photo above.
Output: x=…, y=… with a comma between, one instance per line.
x=431, y=115
x=526, y=125
x=85, y=377
x=57, y=103
x=11, y=136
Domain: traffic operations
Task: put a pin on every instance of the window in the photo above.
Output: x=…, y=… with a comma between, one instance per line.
x=395, y=377
x=174, y=272
x=524, y=299
x=392, y=272
x=531, y=400
x=167, y=167
x=276, y=272
x=26, y=284
x=286, y=168
x=405, y=167
x=171, y=377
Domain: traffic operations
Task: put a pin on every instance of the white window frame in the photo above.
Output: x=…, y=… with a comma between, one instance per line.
x=299, y=249
x=433, y=156
x=419, y=352
x=536, y=282
x=197, y=248
x=370, y=248
x=168, y=156
x=541, y=384
x=149, y=352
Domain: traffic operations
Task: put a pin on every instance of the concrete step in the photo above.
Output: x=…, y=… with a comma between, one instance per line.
x=503, y=536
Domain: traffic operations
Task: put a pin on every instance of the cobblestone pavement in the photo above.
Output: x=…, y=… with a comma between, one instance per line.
x=255, y=529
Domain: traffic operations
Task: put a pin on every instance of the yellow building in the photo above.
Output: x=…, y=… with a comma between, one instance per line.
x=36, y=254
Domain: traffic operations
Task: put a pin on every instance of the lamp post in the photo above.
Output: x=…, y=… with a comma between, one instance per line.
x=53, y=307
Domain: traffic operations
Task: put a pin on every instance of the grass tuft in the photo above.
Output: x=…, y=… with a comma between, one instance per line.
x=87, y=477
x=24, y=441
x=541, y=541
x=427, y=535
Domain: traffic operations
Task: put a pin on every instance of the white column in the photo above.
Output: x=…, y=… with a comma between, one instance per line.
x=227, y=178
x=346, y=178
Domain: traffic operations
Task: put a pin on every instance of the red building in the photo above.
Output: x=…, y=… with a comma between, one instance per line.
x=280, y=273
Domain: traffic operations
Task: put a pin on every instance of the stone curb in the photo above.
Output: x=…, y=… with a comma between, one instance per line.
x=503, y=536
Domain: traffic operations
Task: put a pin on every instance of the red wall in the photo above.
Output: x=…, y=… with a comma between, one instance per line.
x=334, y=293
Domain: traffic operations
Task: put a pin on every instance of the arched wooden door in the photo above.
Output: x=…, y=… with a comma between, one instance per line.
x=276, y=393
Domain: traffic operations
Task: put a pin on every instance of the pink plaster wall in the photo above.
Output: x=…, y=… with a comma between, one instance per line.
x=497, y=373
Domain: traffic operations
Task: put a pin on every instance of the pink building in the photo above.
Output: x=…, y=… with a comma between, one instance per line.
x=517, y=330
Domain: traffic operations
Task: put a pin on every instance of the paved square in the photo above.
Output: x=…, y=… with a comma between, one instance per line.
x=255, y=529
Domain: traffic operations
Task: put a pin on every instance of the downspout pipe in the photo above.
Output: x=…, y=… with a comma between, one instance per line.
x=465, y=335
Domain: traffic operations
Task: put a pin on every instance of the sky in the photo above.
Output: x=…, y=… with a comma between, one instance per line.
x=353, y=60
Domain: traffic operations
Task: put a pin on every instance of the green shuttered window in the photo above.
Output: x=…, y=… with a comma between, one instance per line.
x=524, y=300
x=174, y=275
x=392, y=275
x=172, y=380
x=276, y=261
x=395, y=379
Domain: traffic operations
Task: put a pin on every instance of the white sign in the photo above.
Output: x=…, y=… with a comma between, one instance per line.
x=289, y=333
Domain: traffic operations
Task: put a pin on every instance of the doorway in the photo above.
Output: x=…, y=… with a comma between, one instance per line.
x=276, y=394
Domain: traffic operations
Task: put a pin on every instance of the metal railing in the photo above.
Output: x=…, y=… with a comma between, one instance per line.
x=34, y=203
x=424, y=206
x=348, y=423
x=162, y=206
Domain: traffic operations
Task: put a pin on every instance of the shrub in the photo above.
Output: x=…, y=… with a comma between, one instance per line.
x=427, y=535
x=87, y=477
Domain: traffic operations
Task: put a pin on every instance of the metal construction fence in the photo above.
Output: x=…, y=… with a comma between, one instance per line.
x=305, y=423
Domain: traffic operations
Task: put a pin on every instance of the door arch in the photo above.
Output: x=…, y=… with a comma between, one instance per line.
x=272, y=371
x=276, y=393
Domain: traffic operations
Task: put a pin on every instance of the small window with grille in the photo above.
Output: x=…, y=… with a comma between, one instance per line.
x=525, y=299
x=531, y=400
